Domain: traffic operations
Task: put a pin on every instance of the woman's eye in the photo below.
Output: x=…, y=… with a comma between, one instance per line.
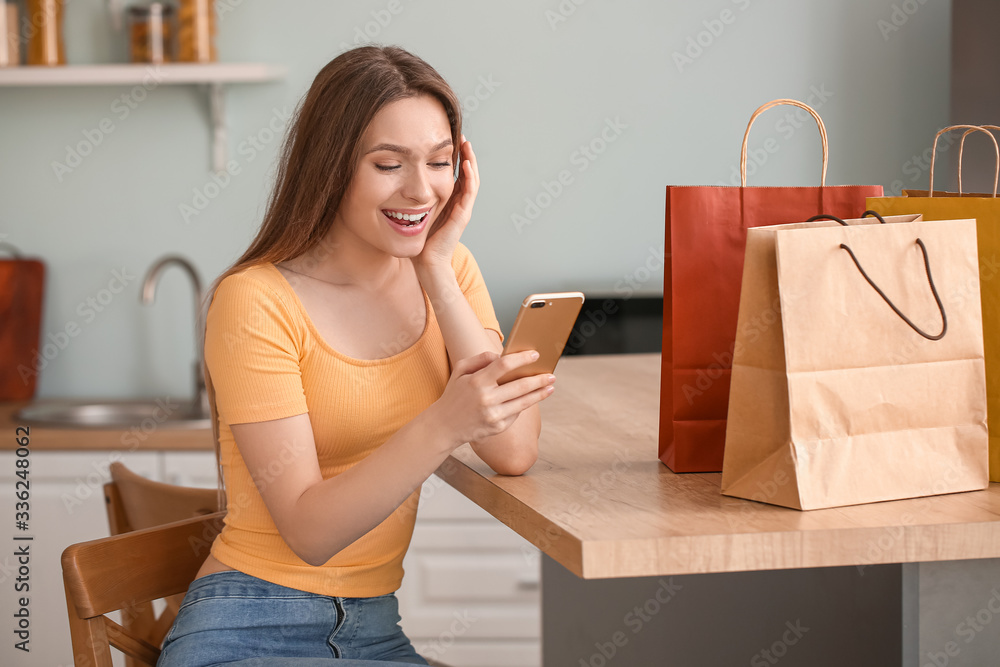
x=441, y=165
x=387, y=167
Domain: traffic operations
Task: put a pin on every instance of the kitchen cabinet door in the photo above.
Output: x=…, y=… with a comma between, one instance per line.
x=66, y=506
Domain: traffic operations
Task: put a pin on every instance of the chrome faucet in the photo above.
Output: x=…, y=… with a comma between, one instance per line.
x=200, y=399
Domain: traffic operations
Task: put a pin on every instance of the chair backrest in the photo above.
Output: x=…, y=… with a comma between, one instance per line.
x=136, y=502
x=118, y=573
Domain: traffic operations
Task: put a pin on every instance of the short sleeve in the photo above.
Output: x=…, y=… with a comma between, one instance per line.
x=471, y=282
x=252, y=353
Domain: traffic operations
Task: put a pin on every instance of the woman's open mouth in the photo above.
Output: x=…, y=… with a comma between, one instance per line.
x=405, y=222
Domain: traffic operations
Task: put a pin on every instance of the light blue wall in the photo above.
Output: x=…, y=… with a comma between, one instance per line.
x=556, y=84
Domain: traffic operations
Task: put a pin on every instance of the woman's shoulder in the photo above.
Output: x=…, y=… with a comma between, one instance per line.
x=256, y=285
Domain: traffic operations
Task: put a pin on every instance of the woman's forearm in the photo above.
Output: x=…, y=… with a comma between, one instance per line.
x=463, y=334
x=515, y=450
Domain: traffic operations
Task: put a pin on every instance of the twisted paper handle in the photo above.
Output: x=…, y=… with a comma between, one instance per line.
x=775, y=103
x=970, y=128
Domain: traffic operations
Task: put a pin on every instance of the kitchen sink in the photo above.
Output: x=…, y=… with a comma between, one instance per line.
x=113, y=415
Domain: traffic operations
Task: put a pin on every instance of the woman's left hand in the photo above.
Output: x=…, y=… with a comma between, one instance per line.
x=453, y=218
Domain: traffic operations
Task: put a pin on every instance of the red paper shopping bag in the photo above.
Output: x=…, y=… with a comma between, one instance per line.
x=705, y=241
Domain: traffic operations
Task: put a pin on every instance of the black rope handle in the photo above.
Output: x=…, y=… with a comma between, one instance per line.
x=824, y=216
x=867, y=214
x=927, y=266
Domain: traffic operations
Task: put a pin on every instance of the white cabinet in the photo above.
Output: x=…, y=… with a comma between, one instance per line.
x=470, y=597
x=66, y=506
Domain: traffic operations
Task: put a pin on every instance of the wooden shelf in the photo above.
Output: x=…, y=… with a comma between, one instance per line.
x=116, y=75
x=213, y=75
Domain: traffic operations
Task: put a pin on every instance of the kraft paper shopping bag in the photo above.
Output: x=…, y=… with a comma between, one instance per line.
x=869, y=383
x=705, y=236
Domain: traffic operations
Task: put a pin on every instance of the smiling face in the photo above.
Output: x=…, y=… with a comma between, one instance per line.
x=403, y=178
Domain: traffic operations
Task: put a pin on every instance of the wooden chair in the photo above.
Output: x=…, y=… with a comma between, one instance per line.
x=133, y=503
x=120, y=573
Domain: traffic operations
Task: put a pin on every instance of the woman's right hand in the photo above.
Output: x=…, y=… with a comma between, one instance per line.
x=474, y=406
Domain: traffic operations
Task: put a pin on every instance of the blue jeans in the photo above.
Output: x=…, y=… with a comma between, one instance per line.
x=230, y=617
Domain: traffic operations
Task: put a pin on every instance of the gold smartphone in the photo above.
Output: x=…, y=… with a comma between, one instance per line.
x=543, y=323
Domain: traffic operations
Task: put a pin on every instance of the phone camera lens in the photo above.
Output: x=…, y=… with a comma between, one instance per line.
x=537, y=304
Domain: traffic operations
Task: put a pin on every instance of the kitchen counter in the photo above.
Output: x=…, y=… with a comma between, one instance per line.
x=145, y=436
x=599, y=502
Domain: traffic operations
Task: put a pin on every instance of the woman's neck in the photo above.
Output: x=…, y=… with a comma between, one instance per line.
x=341, y=258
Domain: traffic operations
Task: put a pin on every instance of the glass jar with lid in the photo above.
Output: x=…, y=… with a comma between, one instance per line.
x=10, y=40
x=45, y=32
x=151, y=33
x=196, y=32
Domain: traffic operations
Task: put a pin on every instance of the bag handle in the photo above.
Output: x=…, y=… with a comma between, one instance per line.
x=927, y=267
x=970, y=128
x=961, y=149
x=867, y=214
x=781, y=102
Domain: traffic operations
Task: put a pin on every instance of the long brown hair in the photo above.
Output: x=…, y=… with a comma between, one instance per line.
x=320, y=154
x=323, y=146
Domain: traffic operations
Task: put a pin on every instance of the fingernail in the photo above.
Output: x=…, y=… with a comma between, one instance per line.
x=534, y=355
x=550, y=389
x=551, y=379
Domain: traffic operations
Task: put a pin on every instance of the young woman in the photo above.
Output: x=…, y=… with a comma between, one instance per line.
x=351, y=349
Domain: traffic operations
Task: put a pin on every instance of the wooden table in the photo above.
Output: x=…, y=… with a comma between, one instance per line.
x=599, y=503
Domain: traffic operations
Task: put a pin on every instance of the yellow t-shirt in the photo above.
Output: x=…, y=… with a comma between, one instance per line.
x=267, y=361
